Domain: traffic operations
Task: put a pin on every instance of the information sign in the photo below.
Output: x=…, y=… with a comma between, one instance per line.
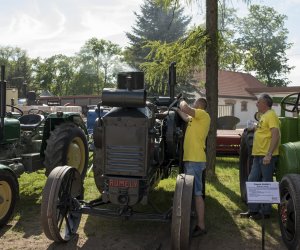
x=263, y=192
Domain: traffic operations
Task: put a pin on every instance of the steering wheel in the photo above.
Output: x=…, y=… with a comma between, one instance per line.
x=291, y=100
x=257, y=116
x=36, y=111
x=15, y=108
x=175, y=101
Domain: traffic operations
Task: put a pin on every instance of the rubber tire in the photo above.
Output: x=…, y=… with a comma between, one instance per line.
x=245, y=161
x=289, y=210
x=10, y=181
x=58, y=145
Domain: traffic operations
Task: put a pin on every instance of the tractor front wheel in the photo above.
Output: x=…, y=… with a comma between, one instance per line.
x=67, y=145
x=60, y=206
x=9, y=192
x=289, y=210
x=181, y=214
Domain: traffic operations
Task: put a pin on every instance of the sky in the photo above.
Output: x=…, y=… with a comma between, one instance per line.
x=45, y=28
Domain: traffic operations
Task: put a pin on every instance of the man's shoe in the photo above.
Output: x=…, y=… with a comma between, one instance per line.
x=198, y=231
x=259, y=216
x=247, y=214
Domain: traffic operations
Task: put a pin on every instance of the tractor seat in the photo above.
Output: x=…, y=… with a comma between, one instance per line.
x=227, y=122
x=31, y=121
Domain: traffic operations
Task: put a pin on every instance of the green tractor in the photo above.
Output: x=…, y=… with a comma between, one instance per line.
x=35, y=141
x=287, y=170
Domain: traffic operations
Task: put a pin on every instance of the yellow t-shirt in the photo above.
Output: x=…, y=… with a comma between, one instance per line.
x=262, y=135
x=195, y=137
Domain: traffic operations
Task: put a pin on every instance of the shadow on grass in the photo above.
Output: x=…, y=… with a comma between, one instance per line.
x=120, y=233
x=223, y=233
x=28, y=212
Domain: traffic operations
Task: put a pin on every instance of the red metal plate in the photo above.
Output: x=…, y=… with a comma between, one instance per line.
x=123, y=183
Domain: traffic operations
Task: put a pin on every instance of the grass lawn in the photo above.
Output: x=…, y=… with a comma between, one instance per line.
x=223, y=205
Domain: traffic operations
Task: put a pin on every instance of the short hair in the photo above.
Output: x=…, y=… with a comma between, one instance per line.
x=203, y=102
x=267, y=99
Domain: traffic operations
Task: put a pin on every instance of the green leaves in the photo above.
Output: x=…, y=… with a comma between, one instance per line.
x=187, y=52
x=263, y=41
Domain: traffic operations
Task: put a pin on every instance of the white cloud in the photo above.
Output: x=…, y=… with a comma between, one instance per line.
x=45, y=28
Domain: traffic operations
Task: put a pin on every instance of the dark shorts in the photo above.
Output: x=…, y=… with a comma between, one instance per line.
x=195, y=169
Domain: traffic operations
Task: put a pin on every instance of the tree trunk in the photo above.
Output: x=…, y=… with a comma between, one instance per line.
x=211, y=84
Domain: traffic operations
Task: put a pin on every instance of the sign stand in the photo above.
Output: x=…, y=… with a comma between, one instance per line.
x=262, y=229
x=263, y=193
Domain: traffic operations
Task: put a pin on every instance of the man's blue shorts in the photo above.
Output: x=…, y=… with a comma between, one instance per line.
x=195, y=169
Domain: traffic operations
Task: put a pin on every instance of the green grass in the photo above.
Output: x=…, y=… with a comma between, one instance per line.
x=223, y=205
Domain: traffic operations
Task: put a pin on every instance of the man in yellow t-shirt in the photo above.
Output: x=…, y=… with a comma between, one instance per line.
x=194, y=156
x=265, y=153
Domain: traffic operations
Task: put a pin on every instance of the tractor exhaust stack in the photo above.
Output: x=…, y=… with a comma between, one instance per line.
x=2, y=100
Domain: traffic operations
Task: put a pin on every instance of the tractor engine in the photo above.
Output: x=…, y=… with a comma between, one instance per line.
x=136, y=142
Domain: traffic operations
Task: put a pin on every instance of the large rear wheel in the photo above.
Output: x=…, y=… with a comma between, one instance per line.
x=67, y=145
x=181, y=215
x=59, y=209
x=245, y=161
x=289, y=210
x=9, y=192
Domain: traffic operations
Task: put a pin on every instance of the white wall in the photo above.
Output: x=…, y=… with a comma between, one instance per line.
x=244, y=116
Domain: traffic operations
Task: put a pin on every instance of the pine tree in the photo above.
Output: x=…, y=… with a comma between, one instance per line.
x=155, y=23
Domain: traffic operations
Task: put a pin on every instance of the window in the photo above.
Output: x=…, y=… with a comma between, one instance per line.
x=244, y=106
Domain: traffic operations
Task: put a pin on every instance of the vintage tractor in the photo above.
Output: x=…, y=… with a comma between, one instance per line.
x=136, y=144
x=32, y=141
x=287, y=170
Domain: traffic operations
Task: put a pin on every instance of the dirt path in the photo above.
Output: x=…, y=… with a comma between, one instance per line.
x=106, y=234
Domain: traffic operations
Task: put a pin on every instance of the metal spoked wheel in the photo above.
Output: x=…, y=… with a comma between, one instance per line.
x=59, y=209
x=289, y=210
x=181, y=215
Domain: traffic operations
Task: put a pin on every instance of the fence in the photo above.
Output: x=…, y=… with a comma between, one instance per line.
x=226, y=110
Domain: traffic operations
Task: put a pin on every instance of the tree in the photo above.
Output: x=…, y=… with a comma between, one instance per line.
x=155, y=23
x=230, y=55
x=211, y=84
x=54, y=73
x=18, y=67
x=101, y=55
x=188, y=53
x=263, y=40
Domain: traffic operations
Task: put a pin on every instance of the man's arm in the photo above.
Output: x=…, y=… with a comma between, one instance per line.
x=275, y=137
x=183, y=115
x=185, y=108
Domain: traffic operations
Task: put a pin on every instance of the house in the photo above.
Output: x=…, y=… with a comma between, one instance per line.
x=238, y=94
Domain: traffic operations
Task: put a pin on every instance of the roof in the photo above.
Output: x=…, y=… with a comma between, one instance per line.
x=295, y=89
x=233, y=84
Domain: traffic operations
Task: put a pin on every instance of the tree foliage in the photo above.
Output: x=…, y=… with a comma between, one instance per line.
x=100, y=55
x=186, y=52
x=155, y=23
x=230, y=55
x=18, y=67
x=54, y=74
x=263, y=41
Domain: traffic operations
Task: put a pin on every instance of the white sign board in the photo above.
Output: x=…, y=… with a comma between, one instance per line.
x=263, y=192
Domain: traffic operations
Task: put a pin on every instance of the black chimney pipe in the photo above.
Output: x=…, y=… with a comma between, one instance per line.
x=2, y=100
x=172, y=80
